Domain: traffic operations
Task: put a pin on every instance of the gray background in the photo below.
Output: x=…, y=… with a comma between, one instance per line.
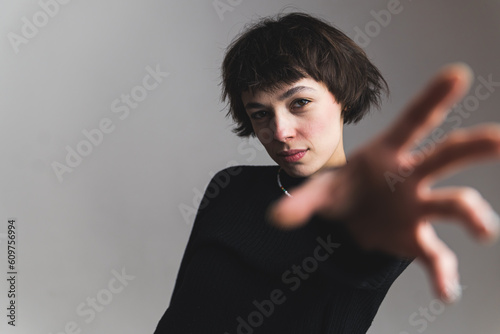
x=120, y=208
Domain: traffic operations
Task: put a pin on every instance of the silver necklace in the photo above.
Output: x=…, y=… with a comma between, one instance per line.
x=281, y=186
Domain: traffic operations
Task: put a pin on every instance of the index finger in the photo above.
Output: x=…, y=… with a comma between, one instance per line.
x=318, y=193
x=429, y=108
x=292, y=212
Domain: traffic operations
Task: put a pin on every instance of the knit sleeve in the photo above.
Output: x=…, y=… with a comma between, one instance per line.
x=353, y=265
x=206, y=203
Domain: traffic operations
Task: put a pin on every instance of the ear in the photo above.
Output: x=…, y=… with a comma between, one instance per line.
x=346, y=108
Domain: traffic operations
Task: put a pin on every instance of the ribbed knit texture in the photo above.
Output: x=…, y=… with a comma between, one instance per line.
x=241, y=275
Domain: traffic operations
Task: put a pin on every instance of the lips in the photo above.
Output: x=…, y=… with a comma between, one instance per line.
x=292, y=155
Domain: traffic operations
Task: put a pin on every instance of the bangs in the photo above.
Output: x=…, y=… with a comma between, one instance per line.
x=280, y=51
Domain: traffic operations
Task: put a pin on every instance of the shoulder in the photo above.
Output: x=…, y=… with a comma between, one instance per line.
x=237, y=183
x=239, y=176
x=247, y=171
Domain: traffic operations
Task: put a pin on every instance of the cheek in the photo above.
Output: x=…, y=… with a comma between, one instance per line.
x=323, y=128
x=314, y=130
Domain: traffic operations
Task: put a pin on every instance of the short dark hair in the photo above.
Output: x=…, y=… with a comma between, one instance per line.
x=281, y=50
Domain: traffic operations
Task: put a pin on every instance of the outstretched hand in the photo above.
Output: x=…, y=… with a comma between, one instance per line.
x=384, y=193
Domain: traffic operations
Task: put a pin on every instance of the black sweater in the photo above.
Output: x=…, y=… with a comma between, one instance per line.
x=240, y=274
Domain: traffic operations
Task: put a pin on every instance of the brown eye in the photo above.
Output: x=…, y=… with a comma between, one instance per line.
x=258, y=114
x=300, y=103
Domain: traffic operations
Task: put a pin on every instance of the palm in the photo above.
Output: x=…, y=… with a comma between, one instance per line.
x=384, y=194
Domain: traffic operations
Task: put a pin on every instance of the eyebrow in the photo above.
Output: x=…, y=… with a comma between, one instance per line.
x=282, y=97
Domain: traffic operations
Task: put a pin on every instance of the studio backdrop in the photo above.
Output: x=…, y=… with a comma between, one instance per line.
x=111, y=126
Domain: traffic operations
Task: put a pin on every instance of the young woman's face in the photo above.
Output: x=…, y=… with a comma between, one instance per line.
x=300, y=125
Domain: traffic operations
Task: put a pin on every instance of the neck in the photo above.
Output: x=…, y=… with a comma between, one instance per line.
x=338, y=158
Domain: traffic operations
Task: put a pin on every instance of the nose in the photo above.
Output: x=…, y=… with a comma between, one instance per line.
x=283, y=127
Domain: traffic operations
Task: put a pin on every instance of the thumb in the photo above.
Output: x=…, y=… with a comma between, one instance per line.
x=310, y=197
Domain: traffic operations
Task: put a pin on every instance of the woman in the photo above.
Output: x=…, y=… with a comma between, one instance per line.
x=322, y=258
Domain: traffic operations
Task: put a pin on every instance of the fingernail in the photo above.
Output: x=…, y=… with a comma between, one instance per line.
x=492, y=225
x=453, y=292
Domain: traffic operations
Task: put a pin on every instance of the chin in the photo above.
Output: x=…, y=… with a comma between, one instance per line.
x=299, y=171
